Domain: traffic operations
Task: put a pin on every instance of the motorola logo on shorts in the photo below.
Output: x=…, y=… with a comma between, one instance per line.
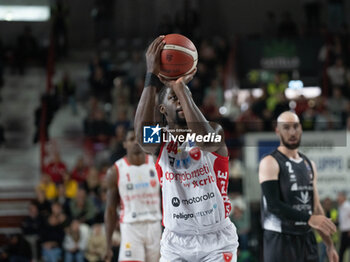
x=175, y=201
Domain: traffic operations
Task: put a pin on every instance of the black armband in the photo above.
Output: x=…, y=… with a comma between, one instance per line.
x=153, y=80
x=276, y=206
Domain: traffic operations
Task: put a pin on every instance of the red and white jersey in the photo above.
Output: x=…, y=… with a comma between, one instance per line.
x=139, y=191
x=194, y=188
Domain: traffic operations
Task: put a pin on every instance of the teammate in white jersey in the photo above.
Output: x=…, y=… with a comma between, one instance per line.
x=132, y=184
x=193, y=174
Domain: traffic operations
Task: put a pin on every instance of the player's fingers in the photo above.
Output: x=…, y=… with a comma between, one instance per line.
x=155, y=43
x=324, y=229
x=159, y=47
x=331, y=226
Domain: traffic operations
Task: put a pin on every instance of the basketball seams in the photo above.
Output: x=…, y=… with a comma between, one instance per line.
x=185, y=50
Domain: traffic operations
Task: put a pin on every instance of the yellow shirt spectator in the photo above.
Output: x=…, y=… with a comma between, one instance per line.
x=71, y=187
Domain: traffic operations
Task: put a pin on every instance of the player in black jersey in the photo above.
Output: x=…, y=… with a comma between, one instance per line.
x=290, y=201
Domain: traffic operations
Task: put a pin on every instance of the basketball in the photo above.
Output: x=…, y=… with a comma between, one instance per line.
x=178, y=57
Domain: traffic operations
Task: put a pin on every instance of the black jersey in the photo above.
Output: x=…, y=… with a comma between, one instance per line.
x=296, y=189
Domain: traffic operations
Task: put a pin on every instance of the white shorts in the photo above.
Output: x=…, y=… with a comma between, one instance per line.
x=140, y=241
x=215, y=246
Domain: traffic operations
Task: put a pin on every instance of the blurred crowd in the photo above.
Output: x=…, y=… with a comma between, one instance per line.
x=66, y=218
x=65, y=221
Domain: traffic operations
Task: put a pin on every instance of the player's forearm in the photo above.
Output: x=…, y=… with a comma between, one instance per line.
x=110, y=222
x=145, y=110
x=280, y=209
x=327, y=240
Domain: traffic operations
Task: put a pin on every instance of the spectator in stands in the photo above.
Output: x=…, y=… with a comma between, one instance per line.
x=31, y=228
x=100, y=203
x=51, y=237
x=80, y=170
x=287, y=27
x=120, y=97
x=135, y=67
x=43, y=204
x=63, y=199
x=344, y=224
x=123, y=119
x=210, y=109
x=336, y=106
x=75, y=241
x=97, y=246
x=97, y=127
x=48, y=187
x=323, y=117
x=58, y=212
x=49, y=103
x=18, y=249
x=116, y=144
x=216, y=90
x=93, y=183
x=83, y=208
x=56, y=168
x=100, y=86
x=65, y=92
x=96, y=62
x=308, y=119
x=70, y=185
x=337, y=74
x=233, y=108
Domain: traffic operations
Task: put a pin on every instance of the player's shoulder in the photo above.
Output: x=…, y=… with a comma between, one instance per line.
x=111, y=174
x=268, y=161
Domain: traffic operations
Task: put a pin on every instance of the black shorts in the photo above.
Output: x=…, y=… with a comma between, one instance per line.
x=290, y=248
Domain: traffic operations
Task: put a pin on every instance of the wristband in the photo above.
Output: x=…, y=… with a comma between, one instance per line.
x=153, y=80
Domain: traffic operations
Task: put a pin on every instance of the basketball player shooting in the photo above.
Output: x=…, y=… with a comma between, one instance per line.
x=193, y=174
x=290, y=201
x=133, y=186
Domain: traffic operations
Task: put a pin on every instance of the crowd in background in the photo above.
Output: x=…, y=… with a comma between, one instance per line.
x=66, y=218
x=65, y=221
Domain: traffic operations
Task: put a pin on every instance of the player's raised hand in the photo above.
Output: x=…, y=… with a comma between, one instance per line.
x=322, y=223
x=180, y=82
x=153, y=55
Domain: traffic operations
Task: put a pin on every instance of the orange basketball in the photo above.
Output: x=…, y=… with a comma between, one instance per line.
x=178, y=57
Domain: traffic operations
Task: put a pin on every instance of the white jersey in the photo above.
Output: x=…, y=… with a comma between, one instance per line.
x=139, y=191
x=194, y=185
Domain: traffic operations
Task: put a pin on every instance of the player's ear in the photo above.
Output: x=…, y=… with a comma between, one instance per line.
x=277, y=131
x=161, y=108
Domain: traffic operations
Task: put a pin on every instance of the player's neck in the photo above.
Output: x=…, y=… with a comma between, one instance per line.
x=136, y=159
x=290, y=153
